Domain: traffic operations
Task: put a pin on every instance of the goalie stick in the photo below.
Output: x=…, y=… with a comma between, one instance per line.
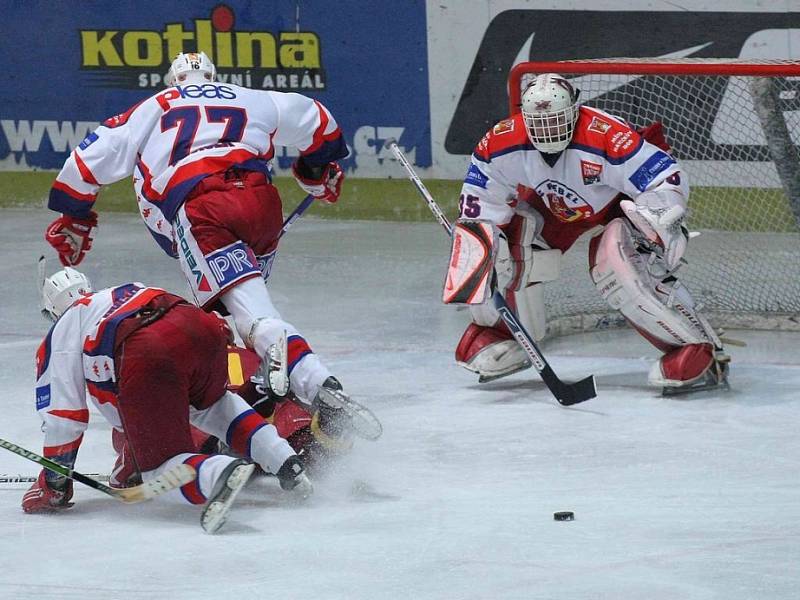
x=174, y=478
x=567, y=394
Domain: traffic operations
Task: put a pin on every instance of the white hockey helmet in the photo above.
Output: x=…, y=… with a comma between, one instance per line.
x=190, y=67
x=61, y=289
x=550, y=109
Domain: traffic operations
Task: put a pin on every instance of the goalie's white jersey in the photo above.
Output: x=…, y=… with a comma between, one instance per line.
x=175, y=138
x=76, y=358
x=605, y=158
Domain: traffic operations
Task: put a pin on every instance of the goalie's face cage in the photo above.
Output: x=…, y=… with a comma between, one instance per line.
x=550, y=110
x=551, y=132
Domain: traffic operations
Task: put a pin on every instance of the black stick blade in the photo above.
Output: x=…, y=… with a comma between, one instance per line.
x=568, y=394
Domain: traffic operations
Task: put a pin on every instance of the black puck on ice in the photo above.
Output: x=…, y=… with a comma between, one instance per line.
x=565, y=515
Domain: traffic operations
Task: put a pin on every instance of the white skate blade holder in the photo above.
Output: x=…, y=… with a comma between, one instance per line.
x=277, y=367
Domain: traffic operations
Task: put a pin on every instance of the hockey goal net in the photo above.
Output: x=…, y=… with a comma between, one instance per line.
x=734, y=126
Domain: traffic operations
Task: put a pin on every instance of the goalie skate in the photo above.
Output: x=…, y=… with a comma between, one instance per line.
x=690, y=368
x=488, y=378
x=716, y=377
x=491, y=352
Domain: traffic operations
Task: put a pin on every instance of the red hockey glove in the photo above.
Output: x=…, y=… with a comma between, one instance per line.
x=71, y=237
x=42, y=498
x=325, y=188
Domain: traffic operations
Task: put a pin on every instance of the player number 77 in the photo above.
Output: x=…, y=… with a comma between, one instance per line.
x=567, y=394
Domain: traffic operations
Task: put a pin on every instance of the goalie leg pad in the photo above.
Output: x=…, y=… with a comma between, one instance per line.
x=631, y=282
x=487, y=347
x=528, y=305
x=491, y=352
x=660, y=308
x=523, y=257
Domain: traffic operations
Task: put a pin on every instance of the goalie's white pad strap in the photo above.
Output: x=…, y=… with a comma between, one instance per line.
x=629, y=281
x=469, y=274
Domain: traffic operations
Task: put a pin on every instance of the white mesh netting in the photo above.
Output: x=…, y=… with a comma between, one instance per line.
x=745, y=267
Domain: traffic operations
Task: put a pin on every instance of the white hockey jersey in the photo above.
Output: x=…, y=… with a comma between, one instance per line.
x=76, y=359
x=175, y=138
x=605, y=158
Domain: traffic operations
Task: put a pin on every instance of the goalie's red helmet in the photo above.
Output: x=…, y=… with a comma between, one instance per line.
x=61, y=289
x=550, y=109
x=190, y=67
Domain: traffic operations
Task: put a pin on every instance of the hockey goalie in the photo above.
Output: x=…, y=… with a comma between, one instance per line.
x=537, y=182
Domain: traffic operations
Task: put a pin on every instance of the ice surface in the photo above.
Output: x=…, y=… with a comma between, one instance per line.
x=673, y=498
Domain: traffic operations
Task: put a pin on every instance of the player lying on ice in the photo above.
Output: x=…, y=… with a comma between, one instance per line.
x=199, y=153
x=153, y=365
x=317, y=435
x=538, y=181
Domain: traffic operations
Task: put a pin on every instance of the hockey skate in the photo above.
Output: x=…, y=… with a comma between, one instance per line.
x=714, y=376
x=292, y=478
x=337, y=415
x=227, y=487
x=272, y=377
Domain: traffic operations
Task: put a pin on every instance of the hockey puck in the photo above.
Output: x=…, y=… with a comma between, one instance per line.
x=565, y=515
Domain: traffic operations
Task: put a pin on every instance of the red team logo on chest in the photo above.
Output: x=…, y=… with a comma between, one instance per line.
x=590, y=172
x=564, y=203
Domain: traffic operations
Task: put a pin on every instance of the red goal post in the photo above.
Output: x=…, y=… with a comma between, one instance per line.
x=734, y=125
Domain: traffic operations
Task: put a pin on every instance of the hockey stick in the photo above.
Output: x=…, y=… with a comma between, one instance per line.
x=301, y=208
x=567, y=394
x=174, y=478
x=9, y=481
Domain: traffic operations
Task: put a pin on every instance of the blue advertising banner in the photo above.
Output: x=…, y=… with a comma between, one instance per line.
x=69, y=66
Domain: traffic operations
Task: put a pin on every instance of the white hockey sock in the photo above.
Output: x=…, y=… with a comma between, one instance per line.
x=231, y=420
x=196, y=492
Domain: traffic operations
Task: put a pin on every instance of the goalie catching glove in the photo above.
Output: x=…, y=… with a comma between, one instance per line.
x=660, y=215
x=71, y=237
x=322, y=182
